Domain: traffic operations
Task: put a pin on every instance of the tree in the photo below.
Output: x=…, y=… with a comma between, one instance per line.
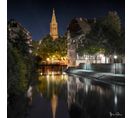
x=16, y=82
x=106, y=34
x=112, y=21
x=21, y=69
x=49, y=48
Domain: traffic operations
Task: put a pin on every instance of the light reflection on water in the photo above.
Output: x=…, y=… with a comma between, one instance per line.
x=80, y=97
x=94, y=100
x=50, y=87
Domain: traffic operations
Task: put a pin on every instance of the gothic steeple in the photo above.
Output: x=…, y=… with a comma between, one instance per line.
x=54, y=26
x=53, y=17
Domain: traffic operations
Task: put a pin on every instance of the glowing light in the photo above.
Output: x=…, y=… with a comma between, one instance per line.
x=115, y=56
x=53, y=76
x=62, y=77
x=65, y=78
x=52, y=73
x=86, y=88
x=41, y=73
x=101, y=55
x=86, y=58
x=54, y=104
x=47, y=59
x=64, y=73
x=115, y=100
x=47, y=76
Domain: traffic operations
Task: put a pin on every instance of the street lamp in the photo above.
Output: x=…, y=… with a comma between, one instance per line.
x=115, y=57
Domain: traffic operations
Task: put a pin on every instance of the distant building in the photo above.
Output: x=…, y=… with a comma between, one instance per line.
x=98, y=58
x=54, y=27
x=16, y=33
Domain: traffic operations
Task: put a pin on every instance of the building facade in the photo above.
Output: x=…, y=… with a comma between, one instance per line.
x=16, y=33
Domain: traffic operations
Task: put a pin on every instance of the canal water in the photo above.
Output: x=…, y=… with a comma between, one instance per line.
x=71, y=96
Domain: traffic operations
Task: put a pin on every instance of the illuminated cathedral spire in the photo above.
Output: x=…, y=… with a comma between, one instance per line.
x=54, y=27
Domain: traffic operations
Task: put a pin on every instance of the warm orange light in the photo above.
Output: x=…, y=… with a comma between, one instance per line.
x=47, y=59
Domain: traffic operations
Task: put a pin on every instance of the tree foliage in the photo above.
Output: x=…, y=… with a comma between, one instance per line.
x=47, y=47
x=21, y=71
x=105, y=34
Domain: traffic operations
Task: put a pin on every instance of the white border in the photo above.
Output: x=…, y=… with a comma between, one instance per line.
x=129, y=58
x=3, y=58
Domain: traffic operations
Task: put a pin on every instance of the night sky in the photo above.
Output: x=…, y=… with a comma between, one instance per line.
x=35, y=15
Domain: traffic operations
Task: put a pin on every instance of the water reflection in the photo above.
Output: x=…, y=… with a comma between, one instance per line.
x=29, y=95
x=89, y=99
x=50, y=87
x=54, y=103
x=77, y=97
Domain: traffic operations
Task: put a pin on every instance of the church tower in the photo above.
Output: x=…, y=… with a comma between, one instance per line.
x=54, y=27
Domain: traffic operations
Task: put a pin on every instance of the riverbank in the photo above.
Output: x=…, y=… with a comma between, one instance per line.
x=107, y=78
